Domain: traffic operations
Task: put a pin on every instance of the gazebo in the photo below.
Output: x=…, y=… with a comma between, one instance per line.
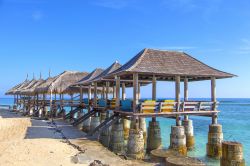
x=158, y=65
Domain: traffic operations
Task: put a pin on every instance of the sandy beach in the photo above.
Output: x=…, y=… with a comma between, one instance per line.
x=25, y=141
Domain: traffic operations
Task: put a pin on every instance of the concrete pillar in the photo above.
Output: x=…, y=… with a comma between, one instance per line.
x=95, y=121
x=116, y=144
x=189, y=132
x=178, y=140
x=135, y=148
x=154, y=136
x=126, y=128
x=232, y=154
x=105, y=134
x=215, y=138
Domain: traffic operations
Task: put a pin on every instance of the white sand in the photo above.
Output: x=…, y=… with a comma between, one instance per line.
x=26, y=142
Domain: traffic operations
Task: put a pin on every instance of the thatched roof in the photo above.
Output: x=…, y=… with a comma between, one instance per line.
x=24, y=87
x=61, y=83
x=89, y=77
x=167, y=64
x=11, y=91
x=31, y=89
x=100, y=77
x=43, y=88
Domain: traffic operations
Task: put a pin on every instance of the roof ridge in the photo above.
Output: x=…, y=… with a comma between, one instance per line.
x=139, y=59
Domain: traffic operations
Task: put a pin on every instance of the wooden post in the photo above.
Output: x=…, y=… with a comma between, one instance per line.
x=51, y=100
x=139, y=91
x=186, y=94
x=114, y=91
x=135, y=98
x=154, y=93
x=213, y=99
x=177, y=97
x=117, y=103
x=103, y=92
x=81, y=96
x=71, y=101
x=107, y=92
x=123, y=91
x=95, y=94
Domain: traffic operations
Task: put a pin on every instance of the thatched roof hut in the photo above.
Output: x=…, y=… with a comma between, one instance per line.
x=30, y=91
x=24, y=87
x=11, y=91
x=166, y=65
x=99, y=78
x=89, y=77
x=61, y=83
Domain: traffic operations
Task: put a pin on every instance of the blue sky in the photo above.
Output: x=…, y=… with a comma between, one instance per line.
x=38, y=35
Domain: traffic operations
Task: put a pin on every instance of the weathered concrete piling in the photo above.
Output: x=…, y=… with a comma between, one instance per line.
x=126, y=128
x=232, y=154
x=135, y=147
x=215, y=138
x=86, y=125
x=143, y=127
x=117, y=137
x=154, y=136
x=105, y=134
x=189, y=132
x=95, y=121
x=178, y=139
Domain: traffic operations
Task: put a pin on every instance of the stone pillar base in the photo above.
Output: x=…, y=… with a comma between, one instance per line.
x=178, y=140
x=135, y=147
x=215, y=138
x=189, y=132
x=154, y=136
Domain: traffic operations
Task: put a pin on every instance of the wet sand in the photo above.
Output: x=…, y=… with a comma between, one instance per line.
x=25, y=141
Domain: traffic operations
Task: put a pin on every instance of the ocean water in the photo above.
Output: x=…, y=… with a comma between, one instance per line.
x=234, y=117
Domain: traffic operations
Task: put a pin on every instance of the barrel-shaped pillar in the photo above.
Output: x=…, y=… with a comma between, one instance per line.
x=143, y=127
x=189, y=132
x=154, y=136
x=135, y=147
x=126, y=128
x=178, y=140
x=232, y=154
x=116, y=144
x=105, y=134
x=95, y=121
x=215, y=138
x=86, y=125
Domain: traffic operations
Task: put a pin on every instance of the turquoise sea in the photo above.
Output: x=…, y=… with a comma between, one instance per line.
x=234, y=116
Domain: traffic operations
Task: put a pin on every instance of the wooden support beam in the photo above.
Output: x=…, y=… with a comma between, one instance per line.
x=154, y=93
x=107, y=91
x=89, y=93
x=114, y=91
x=177, y=97
x=186, y=94
x=117, y=103
x=123, y=91
x=135, y=99
x=213, y=99
x=81, y=96
x=103, y=91
x=95, y=94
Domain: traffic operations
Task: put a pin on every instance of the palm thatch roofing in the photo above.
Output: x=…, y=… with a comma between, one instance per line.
x=89, y=77
x=166, y=65
x=61, y=83
x=11, y=91
x=99, y=78
x=24, y=87
x=30, y=91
